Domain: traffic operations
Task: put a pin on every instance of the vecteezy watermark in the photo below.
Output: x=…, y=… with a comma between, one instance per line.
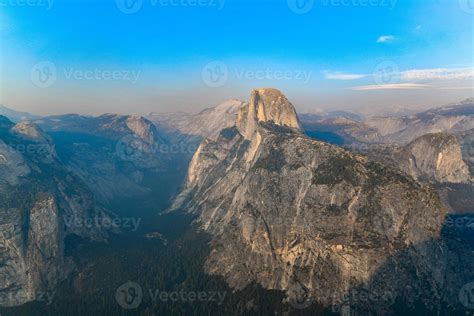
x=130, y=295
x=360, y=3
x=133, y=6
x=341, y=301
x=33, y=149
x=299, y=297
x=467, y=6
x=305, y=6
x=216, y=74
x=460, y=222
x=48, y=4
x=45, y=73
x=46, y=297
x=130, y=148
x=300, y=6
x=129, y=6
x=133, y=148
x=466, y=295
x=386, y=72
x=104, y=222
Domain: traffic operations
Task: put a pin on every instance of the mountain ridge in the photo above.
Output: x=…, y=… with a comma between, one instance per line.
x=306, y=217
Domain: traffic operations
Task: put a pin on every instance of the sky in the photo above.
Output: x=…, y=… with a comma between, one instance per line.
x=140, y=56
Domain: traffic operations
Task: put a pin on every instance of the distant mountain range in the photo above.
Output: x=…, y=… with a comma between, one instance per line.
x=16, y=116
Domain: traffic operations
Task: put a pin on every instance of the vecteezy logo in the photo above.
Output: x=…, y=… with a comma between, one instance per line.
x=129, y=148
x=129, y=6
x=215, y=74
x=466, y=295
x=300, y=6
x=43, y=74
x=467, y=6
x=299, y=297
x=129, y=295
x=386, y=72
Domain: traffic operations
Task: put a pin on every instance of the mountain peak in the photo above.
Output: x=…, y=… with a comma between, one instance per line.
x=267, y=105
x=31, y=131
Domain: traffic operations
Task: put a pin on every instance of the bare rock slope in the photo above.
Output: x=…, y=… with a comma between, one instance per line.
x=312, y=219
x=41, y=203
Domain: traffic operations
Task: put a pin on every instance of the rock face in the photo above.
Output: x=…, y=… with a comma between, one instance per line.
x=435, y=156
x=466, y=139
x=431, y=157
x=309, y=218
x=266, y=105
x=185, y=127
x=41, y=203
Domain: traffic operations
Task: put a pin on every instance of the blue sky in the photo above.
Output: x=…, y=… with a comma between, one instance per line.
x=134, y=56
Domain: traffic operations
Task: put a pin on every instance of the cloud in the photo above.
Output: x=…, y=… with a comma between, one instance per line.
x=395, y=86
x=438, y=74
x=336, y=75
x=385, y=39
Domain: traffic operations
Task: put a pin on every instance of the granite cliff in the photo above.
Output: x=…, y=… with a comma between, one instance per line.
x=314, y=220
x=41, y=204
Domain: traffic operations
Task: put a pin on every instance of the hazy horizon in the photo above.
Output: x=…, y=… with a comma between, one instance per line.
x=193, y=110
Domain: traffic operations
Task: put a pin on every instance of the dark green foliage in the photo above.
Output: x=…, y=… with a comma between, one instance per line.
x=154, y=266
x=336, y=170
x=274, y=161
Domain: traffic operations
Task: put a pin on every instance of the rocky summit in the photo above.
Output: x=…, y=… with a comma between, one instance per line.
x=314, y=220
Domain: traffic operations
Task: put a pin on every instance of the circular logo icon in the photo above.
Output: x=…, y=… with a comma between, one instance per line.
x=300, y=6
x=299, y=297
x=466, y=295
x=215, y=74
x=386, y=72
x=129, y=295
x=467, y=6
x=43, y=74
x=129, y=148
x=129, y=6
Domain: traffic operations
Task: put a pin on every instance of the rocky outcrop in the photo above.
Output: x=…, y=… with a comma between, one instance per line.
x=41, y=203
x=312, y=219
x=266, y=105
x=436, y=157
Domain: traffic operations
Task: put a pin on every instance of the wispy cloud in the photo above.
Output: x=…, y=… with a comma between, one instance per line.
x=395, y=86
x=337, y=75
x=385, y=39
